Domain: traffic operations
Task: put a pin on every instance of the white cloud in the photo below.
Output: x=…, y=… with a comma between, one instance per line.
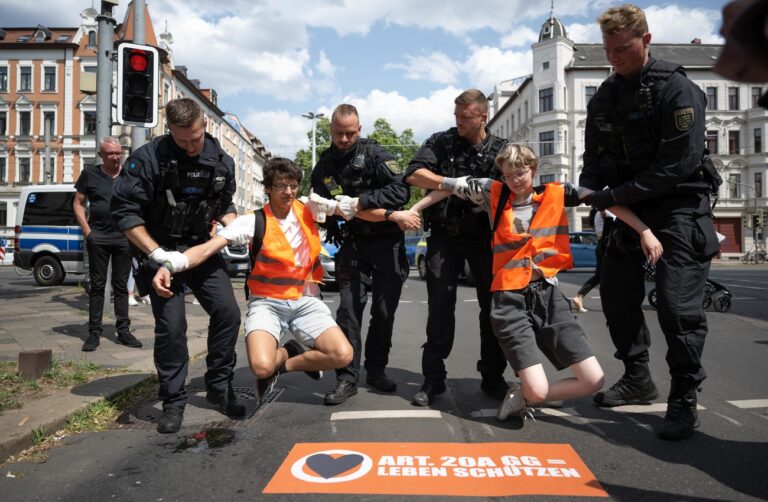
x=282, y=132
x=324, y=66
x=584, y=33
x=487, y=66
x=519, y=36
x=435, y=67
x=674, y=24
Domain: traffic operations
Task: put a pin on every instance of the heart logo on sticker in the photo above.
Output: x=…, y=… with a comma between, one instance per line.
x=328, y=467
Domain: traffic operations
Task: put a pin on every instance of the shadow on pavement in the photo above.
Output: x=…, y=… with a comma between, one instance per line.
x=108, y=385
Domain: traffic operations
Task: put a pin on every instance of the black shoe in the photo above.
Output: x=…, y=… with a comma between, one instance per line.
x=294, y=349
x=682, y=416
x=265, y=385
x=91, y=343
x=428, y=393
x=170, y=422
x=127, y=338
x=341, y=392
x=628, y=390
x=380, y=381
x=496, y=387
x=227, y=402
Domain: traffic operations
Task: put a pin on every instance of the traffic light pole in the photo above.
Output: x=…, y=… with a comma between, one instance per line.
x=104, y=72
x=138, y=134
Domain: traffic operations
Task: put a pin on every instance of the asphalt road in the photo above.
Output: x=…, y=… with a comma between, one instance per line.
x=724, y=460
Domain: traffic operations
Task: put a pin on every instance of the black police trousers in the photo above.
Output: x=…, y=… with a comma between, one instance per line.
x=445, y=261
x=211, y=286
x=99, y=254
x=686, y=232
x=378, y=262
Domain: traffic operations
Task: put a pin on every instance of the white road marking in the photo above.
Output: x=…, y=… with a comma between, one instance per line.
x=363, y=415
x=483, y=413
x=471, y=300
x=651, y=408
x=750, y=403
x=405, y=301
x=728, y=419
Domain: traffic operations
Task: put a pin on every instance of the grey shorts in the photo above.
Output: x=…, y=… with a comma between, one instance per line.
x=307, y=318
x=538, y=320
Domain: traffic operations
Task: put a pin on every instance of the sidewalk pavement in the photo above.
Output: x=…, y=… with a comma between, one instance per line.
x=56, y=318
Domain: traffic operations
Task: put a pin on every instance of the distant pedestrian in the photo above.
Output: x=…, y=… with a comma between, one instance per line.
x=104, y=242
x=601, y=221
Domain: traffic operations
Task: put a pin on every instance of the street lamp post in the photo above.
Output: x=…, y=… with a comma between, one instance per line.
x=313, y=117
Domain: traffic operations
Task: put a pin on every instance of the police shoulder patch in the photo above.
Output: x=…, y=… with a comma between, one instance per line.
x=393, y=166
x=133, y=166
x=684, y=118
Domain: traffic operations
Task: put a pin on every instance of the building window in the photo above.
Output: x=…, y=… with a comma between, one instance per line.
x=3, y=170
x=712, y=142
x=546, y=99
x=756, y=93
x=758, y=185
x=711, y=98
x=89, y=122
x=91, y=39
x=758, y=140
x=25, y=78
x=734, y=186
x=546, y=143
x=25, y=123
x=51, y=118
x=49, y=80
x=733, y=142
x=545, y=65
x=4, y=214
x=589, y=93
x=3, y=78
x=25, y=172
x=526, y=112
x=733, y=98
x=546, y=178
x=3, y=123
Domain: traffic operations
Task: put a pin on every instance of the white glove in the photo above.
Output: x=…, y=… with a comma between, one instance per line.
x=240, y=231
x=347, y=206
x=321, y=207
x=474, y=190
x=172, y=260
x=457, y=186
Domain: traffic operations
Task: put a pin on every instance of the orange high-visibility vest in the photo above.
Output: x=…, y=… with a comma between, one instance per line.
x=274, y=273
x=545, y=244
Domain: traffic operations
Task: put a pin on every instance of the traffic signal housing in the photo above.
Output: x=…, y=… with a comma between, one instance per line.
x=137, y=84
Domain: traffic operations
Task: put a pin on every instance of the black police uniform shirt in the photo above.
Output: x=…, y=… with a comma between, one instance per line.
x=378, y=183
x=97, y=185
x=677, y=136
x=138, y=199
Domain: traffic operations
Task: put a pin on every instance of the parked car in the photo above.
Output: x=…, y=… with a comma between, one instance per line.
x=327, y=252
x=237, y=259
x=410, y=248
x=583, y=245
x=421, y=262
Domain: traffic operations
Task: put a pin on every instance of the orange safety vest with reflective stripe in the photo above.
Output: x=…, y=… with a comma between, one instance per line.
x=274, y=273
x=546, y=244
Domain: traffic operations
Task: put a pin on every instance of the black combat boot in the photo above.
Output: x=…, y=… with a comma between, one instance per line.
x=634, y=387
x=681, y=417
x=227, y=401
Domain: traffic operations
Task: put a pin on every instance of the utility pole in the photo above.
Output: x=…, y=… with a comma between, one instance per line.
x=104, y=71
x=313, y=117
x=138, y=134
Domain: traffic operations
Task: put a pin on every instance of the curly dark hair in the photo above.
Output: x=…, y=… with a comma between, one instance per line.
x=280, y=167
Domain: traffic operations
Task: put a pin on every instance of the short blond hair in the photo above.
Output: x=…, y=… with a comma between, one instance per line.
x=627, y=17
x=472, y=97
x=518, y=157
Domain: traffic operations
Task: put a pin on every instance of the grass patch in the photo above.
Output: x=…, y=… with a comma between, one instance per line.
x=16, y=390
x=99, y=416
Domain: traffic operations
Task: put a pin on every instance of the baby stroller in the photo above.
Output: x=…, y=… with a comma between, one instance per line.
x=715, y=294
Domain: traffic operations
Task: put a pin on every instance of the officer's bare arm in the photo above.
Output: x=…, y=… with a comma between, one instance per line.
x=198, y=254
x=424, y=178
x=140, y=238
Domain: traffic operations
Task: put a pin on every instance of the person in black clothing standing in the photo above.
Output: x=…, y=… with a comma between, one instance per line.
x=104, y=242
x=367, y=182
x=459, y=231
x=164, y=201
x=645, y=141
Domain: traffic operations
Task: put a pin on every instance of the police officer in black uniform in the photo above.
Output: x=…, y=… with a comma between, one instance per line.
x=459, y=231
x=372, y=252
x=645, y=140
x=168, y=193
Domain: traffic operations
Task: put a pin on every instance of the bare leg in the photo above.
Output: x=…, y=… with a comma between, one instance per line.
x=264, y=355
x=332, y=350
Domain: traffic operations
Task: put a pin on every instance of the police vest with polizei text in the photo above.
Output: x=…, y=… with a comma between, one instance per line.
x=545, y=244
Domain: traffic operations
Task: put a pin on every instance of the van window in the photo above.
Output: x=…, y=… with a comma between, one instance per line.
x=49, y=208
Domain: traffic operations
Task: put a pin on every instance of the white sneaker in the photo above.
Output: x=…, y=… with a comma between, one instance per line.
x=578, y=304
x=195, y=302
x=513, y=404
x=132, y=301
x=146, y=300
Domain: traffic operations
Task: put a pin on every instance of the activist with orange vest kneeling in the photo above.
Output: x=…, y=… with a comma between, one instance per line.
x=283, y=282
x=530, y=245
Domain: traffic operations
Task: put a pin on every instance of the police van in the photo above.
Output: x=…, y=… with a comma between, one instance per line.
x=48, y=240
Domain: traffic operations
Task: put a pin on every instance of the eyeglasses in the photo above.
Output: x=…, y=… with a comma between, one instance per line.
x=282, y=187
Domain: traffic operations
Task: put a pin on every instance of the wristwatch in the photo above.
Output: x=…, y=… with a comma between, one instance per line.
x=387, y=214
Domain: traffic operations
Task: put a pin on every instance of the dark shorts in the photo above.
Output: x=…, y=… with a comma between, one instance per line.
x=538, y=320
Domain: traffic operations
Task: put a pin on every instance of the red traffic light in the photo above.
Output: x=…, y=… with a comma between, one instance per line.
x=138, y=61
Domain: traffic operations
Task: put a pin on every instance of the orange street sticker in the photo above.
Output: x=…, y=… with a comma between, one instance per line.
x=480, y=469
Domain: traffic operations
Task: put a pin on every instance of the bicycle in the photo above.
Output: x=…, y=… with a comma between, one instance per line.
x=755, y=255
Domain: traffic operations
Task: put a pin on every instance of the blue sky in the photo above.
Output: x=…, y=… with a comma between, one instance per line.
x=403, y=60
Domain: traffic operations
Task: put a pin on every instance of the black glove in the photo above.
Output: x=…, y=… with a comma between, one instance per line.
x=334, y=234
x=601, y=200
